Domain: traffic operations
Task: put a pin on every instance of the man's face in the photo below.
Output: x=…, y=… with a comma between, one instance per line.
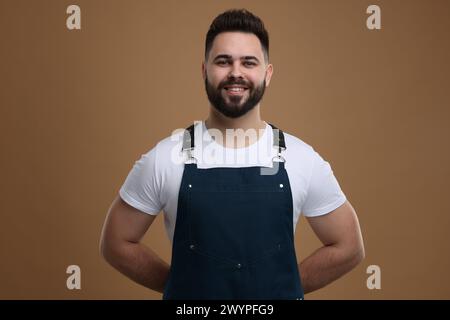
x=236, y=73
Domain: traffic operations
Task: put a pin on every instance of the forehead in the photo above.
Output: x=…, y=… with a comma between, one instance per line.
x=236, y=44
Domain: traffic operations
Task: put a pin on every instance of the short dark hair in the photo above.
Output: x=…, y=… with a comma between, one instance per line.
x=238, y=20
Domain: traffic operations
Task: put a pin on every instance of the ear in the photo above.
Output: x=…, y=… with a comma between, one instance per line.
x=269, y=72
x=204, y=70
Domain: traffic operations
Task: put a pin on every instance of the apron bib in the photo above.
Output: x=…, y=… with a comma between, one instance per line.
x=234, y=233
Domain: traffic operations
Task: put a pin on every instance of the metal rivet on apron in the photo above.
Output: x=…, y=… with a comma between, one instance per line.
x=238, y=266
x=281, y=185
x=190, y=186
x=191, y=247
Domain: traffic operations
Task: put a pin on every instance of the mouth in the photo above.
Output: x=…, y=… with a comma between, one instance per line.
x=234, y=90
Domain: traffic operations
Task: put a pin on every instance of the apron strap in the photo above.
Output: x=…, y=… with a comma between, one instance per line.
x=278, y=139
x=189, y=143
x=188, y=138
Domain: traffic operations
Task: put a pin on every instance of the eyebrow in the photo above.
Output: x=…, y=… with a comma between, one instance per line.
x=228, y=57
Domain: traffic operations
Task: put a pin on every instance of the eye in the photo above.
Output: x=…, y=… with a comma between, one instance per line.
x=248, y=63
x=221, y=62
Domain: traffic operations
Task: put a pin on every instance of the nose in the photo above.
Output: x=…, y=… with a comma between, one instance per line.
x=235, y=71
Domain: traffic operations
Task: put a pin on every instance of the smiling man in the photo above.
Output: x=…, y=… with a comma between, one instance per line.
x=231, y=94
x=230, y=223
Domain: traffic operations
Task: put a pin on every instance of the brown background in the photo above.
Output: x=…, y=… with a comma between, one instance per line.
x=79, y=107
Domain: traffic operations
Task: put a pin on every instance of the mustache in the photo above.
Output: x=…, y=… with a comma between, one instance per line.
x=235, y=82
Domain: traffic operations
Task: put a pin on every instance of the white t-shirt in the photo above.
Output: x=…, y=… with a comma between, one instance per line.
x=153, y=183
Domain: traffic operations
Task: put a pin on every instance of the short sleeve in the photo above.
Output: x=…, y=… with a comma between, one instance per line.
x=324, y=193
x=141, y=188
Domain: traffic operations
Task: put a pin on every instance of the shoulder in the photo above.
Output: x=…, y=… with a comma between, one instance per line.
x=298, y=148
x=171, y=145
x=167, y=150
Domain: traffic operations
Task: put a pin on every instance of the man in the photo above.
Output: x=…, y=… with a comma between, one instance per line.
x=231, y=219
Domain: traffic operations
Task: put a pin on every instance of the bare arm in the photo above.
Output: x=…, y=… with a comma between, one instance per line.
x=343, y=248
x=120, y=246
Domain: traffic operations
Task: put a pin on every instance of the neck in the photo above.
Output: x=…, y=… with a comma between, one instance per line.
x=251, y=120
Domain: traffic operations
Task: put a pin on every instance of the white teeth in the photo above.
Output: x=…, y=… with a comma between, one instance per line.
x=236, y=89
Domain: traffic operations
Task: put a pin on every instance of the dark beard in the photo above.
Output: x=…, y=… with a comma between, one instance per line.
x=234, y=109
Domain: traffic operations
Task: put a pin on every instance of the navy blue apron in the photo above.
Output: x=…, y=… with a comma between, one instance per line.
x=234, y=234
